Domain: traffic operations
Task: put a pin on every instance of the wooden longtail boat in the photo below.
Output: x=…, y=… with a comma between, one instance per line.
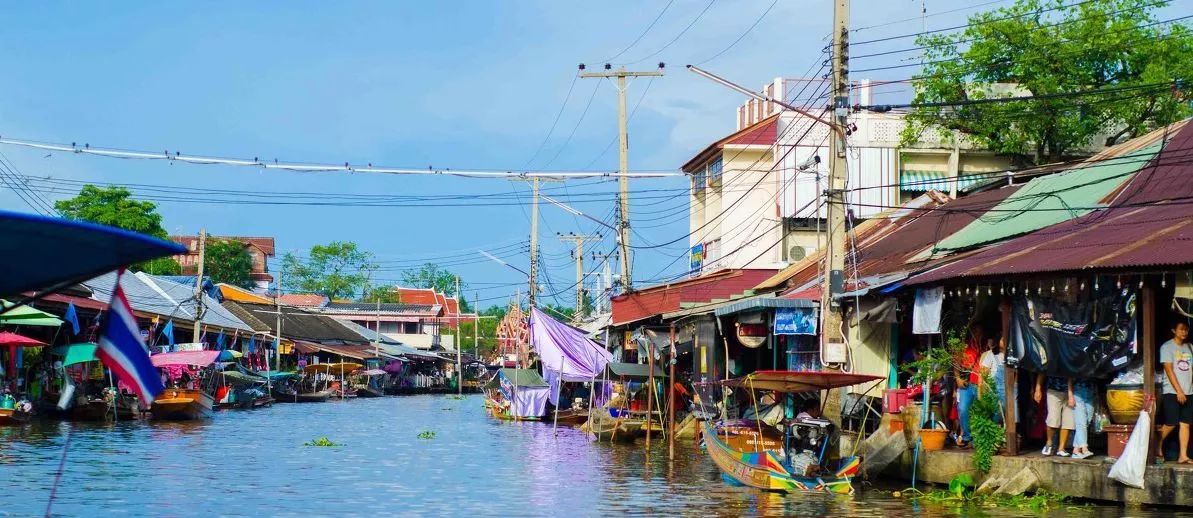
x=182, y=404
x=757, y=459
x=570, y=417
x=318, y=396
x=506, y=385
x=99, y=409
x=9, y=417
x=608, y=428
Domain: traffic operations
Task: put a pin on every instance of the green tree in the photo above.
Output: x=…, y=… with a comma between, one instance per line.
x=338, y=270
x=115, y=207
x=387, y=294
x=488, y=332
x=431, y=275
x=228, y=261
x=1099, y=66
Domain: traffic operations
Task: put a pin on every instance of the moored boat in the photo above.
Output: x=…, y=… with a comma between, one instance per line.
x=189, y=400
x=516, y=395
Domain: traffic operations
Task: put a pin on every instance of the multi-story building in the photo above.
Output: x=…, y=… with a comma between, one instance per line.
x=419, y=319
x=260, y=250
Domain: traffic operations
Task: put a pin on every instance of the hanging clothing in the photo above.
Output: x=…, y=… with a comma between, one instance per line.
x=926, y=317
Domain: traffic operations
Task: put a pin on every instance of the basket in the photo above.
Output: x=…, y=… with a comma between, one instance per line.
x=933, y=440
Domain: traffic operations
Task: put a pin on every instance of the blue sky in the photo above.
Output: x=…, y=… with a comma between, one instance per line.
x=456, y=84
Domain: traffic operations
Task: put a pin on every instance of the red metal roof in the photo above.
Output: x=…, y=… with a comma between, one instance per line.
x=762, y=133
x=417, y=296
x=666, y=298
x=1147, y=224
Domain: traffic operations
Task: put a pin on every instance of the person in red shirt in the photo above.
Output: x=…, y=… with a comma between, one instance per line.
x=968, y=376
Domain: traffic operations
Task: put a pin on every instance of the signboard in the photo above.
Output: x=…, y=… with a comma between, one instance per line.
x=697, y=259
x=795, y=321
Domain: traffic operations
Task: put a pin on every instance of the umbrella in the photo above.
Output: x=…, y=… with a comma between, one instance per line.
x=39, y=252
x=228, y=355
x=76, y=353
x=27, y=316
x=14, y=340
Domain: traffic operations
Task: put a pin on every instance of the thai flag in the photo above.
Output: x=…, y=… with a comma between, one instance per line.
x=122, y=350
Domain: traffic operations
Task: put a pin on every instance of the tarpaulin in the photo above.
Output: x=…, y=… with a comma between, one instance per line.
x=566, y=350
x=1077, y=336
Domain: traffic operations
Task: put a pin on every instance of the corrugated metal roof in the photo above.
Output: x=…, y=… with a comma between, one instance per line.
x=763, y=132
x=667, y=298
x=156, y=295
x=1051, y=199
x=1149, y=223
x=300, y=324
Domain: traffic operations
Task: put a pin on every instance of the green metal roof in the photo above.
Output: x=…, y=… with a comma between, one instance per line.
x=922, y=181
x=633, y=370
x=1049, y=200
x=520, y=377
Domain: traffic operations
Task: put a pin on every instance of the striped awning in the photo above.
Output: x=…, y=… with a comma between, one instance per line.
x=923, y=181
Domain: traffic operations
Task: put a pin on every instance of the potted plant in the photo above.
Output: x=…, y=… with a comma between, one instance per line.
x=930, y=367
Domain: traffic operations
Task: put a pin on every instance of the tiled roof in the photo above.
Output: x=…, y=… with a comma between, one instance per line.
x=417, y=296
x=453, y=307
x=369, y=307
x=265, y=244
x=303, y=300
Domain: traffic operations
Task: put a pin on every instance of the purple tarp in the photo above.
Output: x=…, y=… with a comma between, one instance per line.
x=564, y=350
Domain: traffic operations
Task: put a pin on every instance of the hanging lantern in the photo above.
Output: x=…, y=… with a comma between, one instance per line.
x=1163, y=280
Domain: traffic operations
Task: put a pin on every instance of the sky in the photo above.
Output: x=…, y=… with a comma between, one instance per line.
x=467, y=84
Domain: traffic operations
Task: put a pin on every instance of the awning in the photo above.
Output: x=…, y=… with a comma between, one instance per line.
x=76, y=353
x=754, y=303
x=799, y=381
x=564, y=349
x=198, y=358
x=338, y=369
x=241, y=377
x=635, y=371
x=521, y=377
x=27, y=316
x=40, y=252
x=920, y=181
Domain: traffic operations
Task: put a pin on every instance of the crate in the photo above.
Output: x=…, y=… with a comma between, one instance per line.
x=894, y=400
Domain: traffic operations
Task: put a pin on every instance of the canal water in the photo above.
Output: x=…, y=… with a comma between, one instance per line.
x=255, y=463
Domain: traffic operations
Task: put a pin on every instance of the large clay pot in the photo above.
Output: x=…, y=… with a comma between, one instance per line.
x=933, y=440
x=1124, y=402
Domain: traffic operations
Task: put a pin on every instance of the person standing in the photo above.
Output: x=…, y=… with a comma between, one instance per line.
x=968, y=376
x=1060, y=414
x=1081, y=399
x=1177, y=357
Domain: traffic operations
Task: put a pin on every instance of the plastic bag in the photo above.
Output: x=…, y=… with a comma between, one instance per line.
x=1131, y=466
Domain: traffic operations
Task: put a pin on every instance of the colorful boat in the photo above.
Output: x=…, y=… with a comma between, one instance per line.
x=751, y=453
x=524, y=387
x=188, y=402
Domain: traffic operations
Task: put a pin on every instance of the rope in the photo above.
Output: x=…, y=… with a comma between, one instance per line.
x=754, y=400
x=61, y=467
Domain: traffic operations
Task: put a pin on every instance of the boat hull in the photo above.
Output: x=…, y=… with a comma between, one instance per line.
x=11, y=417
x=571, y=417
x=368, y=392
x=313, y=397
x=763, y=470
x=182, y=405
x=99, y=410
x=608, y=428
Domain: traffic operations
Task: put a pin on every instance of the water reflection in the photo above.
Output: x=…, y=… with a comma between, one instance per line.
x=253, y=463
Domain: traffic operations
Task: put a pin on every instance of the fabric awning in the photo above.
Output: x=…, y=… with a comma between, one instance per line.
x=197, y=358
x=921, y=181
x=76, y=353
x=526, y=378
x=566, y=350
x=635, y=371
x=27, y=316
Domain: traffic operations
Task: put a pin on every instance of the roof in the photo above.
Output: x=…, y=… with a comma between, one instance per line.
x=1063, y=196
x=800, y=381
x=520, y=377
x=40, y=253
x=417, y=296
x=356, y=352
x=306, y=300
x=301, y=324
x=1141, y=227
x=154, y=295
x=761, y=133
x=384, y=308
x=265, y=244
x=453, y=306
x=665, y=298
x=246, y=316
x=895, y=240
x=761, y=302
x=632, y=370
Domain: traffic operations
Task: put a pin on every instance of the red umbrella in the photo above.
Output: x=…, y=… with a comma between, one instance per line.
x=14, y=340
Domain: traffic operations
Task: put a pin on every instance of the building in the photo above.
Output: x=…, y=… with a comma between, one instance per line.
x=419, y=320
x=755, y=200
x=260, y=250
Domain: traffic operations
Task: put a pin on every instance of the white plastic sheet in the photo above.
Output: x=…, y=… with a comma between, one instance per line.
x=1132, y=465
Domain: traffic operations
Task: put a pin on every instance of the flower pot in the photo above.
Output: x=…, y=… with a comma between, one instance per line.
x=1124, y=402
x=933, y=440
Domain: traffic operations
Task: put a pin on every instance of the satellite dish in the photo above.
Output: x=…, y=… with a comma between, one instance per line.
x=797, y=253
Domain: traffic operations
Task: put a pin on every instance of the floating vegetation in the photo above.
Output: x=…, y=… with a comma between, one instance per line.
x=960, y=494
x=322, y=441
x=426, y=434
x=455, y=396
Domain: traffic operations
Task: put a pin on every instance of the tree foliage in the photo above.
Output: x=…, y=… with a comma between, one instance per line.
x=1100, y=66
x=442, y=280
x=488, y=332
x=115, y=207
x=338, y=270
x=228, y=261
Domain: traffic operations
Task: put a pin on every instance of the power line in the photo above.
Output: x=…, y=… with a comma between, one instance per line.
x=640, y=36
x=574, y=128
x=743, y=35
x=555, y=122
x=677, y=36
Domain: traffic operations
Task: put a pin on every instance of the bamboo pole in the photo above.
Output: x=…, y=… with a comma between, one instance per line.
x=649, y=393
x=671, y=400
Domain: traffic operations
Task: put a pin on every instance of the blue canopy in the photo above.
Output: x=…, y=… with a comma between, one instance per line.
x=38, y=252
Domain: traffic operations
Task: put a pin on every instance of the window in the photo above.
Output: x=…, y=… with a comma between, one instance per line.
x=714, y=170
x=699, y=180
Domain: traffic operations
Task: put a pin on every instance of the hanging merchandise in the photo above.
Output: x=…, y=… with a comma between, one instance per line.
x=1083, y=336
x=926, y=317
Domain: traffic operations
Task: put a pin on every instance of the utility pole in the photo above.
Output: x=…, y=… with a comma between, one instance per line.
x=199, y=285
x=606, y=281
x=624, y=160
x=534, y=241
x=578, y=254
x=459, y=342
x=277, y=342
x=832, y=285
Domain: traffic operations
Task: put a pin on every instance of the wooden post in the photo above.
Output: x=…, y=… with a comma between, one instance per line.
x=649, y=393
x=1010, y=382
x=1147, y=341
x=671, y=400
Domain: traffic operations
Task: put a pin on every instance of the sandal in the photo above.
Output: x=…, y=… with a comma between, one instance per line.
x=1062, y=453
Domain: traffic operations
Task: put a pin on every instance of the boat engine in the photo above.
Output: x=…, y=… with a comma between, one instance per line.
x=808, y=435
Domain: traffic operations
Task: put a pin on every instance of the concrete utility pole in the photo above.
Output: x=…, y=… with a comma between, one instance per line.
x=534, y=241
x=833, y=284
x=624, y=162
x=578, y=254
x=199, y=285
x=459, y=341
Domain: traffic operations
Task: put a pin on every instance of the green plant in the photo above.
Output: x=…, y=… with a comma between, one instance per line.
x=936, y=362
x=988, y=435
x=426, y=434
x=961, y=494
x=322, y=441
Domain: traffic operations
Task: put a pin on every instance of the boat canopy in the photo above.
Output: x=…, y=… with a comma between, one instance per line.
x=374, y=372
x=197, y=358
x=634, y=371
x=799, y=381
x=522, y=378
x=275, y=375
x=76, y=353
x=566, y=352
x=41, y=253
x=242, y=377
x=338, y=369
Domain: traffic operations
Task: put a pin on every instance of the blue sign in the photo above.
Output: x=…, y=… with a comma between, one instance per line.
x=795, y=321
x=697, y=258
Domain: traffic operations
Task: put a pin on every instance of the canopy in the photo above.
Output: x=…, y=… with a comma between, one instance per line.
x=274, y=375
x=228, y=355
x=27, y=316
x=524, y=378
x=76, y=353
x=566, y=350
x=635, y=371
x=14, y=340
x=374, y=372
x=338, y=369
x=241, y=377
x=199, y=358
x=799, y=381
x=38, y=252
x=525, y=388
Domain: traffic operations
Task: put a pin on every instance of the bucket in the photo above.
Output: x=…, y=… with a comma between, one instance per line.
x=7, y=402
x=933, y=440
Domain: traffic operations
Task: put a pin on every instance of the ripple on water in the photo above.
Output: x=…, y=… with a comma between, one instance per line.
x=253, y=463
